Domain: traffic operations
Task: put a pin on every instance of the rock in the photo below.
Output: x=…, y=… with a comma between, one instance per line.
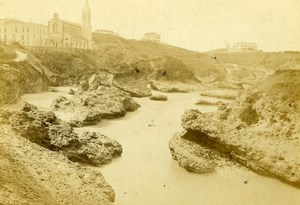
x=45, y=129
x=100, y=79
x=167, y=87
x=84, y=85
x=89, y=107
x=192, y=158
x=52, y=89
x=85, y=118
x=159, y=98
x=31, y=174
x=71, y=92
x=229, y=95
x=259, y=130
x=19, y=78
x=205, y=102
x=28, y=107
x=129, y=104
x=135, y=91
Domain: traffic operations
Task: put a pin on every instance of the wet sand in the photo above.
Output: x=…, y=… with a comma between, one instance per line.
x=146, y=173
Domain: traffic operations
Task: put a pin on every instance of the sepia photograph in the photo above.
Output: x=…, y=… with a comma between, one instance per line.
x=149, y=102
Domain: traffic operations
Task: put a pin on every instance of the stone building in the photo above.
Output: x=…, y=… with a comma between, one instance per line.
x=64, y=34
x=155, y=37
x=243, y=46
x=26, y=33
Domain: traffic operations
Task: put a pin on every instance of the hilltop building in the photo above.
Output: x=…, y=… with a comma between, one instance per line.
x=59, y=33
x=154, y=37
x=103, y=31
x=64, y=34
x=243, y=46
x=25, y=33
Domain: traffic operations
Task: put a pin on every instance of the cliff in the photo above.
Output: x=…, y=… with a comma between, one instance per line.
x=259, y=130
x=19, y=75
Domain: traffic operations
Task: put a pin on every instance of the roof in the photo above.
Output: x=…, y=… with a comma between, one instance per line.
x=9, y=20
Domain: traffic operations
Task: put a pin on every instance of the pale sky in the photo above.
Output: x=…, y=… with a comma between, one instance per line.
x=199, y=25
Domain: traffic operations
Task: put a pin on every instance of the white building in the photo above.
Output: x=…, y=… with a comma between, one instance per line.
x=58, y=33
x=243, y=46
x=104, y=31
x=155, y=37
x=25, y=33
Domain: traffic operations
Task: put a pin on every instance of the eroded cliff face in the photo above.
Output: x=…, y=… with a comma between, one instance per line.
x=259, y=130
x=43, y=151
x=31, y=174
x=19, y=76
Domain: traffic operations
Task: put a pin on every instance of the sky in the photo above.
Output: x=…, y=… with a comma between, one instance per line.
x=199, y=25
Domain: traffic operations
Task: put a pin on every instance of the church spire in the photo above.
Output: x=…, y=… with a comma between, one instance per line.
x=86, y=23
x=86, y=7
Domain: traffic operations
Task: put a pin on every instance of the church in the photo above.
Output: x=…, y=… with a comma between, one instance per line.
x=64, y=34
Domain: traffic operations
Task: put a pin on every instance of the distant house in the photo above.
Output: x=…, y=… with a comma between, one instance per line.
x=155, y=37
x=103, y=31
x=25, y=33
x=243, y=46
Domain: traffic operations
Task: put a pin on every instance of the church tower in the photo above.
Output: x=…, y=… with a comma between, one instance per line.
x=86, y=23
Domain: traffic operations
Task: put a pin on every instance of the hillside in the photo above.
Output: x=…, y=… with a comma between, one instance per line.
x=18, y=76
x=161, y=62
x=259, y=130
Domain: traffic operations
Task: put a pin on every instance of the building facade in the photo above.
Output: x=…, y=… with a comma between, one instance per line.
x=242, y=46
x=154, y=37
x=64, y=34
x=58, y=33
x=25, y=33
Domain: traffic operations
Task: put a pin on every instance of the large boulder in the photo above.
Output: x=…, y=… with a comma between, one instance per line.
x=167, y=87
x=158, y=97
x=100, y=79
x=45, y=129
x=89, y=107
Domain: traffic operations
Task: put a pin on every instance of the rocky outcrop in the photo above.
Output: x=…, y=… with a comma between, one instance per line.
x=18, y=78
x=44, y=129
x=31, y=174
x=159, y=98
x=191, y=156
x=259, y=130
x=94, y=101
x=206, y=102
x=167, y=87
x=135, y=91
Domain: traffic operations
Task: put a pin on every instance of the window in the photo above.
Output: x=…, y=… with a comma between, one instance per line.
x=27, y=29
x=55, y=27
x=16, y=29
